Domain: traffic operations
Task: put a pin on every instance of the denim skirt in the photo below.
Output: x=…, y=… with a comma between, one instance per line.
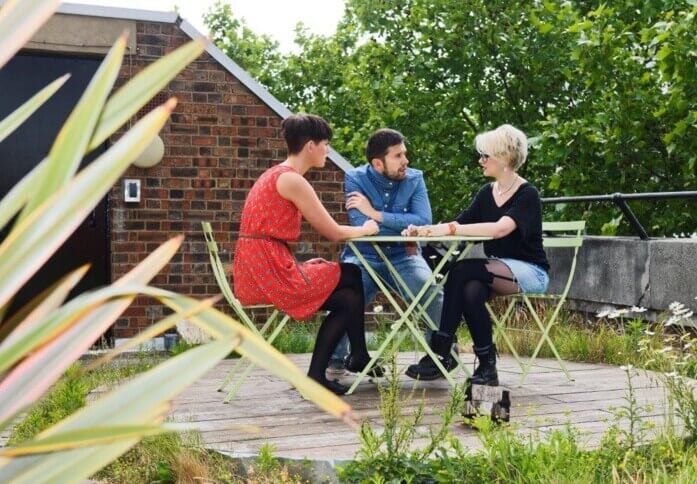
x=531, y=278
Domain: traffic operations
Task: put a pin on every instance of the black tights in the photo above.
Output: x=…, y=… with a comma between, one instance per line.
x=469, y=285
x=346, y=315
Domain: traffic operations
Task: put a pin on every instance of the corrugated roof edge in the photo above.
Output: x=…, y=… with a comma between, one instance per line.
x=231, y=66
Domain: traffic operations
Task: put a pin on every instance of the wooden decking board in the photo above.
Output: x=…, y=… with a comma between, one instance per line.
x=546, y=402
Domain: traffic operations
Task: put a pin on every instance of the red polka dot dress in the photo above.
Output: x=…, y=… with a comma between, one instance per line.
x=264, y=269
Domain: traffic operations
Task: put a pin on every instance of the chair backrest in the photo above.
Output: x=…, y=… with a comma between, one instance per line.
x=219, y=272
x=565, y=234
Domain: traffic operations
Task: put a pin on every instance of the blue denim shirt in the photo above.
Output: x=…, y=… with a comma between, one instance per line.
x=401, y=202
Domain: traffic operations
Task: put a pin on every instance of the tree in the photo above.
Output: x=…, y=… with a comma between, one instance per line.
x=606, y=94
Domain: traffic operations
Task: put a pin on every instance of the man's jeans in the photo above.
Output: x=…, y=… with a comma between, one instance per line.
x=414, y=271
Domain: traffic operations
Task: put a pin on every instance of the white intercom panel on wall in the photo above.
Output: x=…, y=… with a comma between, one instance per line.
x=131, y=190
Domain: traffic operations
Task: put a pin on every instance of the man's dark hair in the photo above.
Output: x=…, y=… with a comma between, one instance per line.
x=298, y=129
x=381, y=141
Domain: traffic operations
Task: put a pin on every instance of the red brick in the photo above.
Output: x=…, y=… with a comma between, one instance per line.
x=214, y=152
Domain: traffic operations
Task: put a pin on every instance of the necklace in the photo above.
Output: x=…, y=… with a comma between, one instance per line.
x=501, y=192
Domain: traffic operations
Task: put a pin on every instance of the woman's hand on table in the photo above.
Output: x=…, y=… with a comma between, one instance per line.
x=418, y=230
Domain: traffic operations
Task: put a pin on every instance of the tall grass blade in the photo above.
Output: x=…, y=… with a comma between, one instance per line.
x=32, y=242
x=18, y=196
x=152, y=331
x=76, y=439
x=36, y=373
x=19, y=21
x=22, y=113
x=133, y=95
x=40, y=307
x=71, y=142
x=137, y=402
x=44, y=330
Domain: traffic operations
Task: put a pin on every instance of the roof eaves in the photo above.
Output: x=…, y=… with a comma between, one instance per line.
x=118, y=12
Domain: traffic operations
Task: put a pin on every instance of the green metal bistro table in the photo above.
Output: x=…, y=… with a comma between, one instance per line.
x=415, y=310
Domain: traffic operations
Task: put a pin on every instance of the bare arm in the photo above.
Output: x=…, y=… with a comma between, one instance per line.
x=298, y=190
x=499, y=229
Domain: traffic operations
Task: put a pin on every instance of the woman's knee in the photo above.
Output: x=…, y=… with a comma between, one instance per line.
x=475, y=293
x=351, y=275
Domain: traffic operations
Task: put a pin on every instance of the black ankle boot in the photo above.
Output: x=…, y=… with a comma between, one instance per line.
x=426, y=369
x=356, y=365
x=486, y=373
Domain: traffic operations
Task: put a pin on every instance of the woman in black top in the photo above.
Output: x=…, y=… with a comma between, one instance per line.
x=509, y=211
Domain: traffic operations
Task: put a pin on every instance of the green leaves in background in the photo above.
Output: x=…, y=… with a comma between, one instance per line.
x=610, y=91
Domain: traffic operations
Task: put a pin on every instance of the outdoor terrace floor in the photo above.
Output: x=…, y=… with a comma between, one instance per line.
x=269, y=410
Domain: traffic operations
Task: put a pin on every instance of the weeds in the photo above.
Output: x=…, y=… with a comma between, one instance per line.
x=390, y=455
x=169, y=458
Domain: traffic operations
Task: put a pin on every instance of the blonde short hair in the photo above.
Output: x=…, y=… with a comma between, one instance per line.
x=504, y=141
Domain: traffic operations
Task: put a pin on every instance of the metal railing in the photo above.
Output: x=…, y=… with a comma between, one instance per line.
x=620, y=199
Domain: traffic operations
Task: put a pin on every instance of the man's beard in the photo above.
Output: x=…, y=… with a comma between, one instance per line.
x=395, y=175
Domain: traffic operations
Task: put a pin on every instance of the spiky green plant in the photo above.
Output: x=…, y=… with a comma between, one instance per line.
x=40, y=341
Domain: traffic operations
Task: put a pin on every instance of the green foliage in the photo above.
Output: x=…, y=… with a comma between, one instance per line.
x=164, y=458
x=509, y=457
x=69, y=394
x=608, y=92
x=389, y=456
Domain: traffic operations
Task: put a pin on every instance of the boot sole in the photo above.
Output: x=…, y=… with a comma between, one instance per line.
x=413, y=376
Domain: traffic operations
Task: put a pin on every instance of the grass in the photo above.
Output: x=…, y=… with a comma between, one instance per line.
x=167, y=458
x=70, y=393
x=388, y=455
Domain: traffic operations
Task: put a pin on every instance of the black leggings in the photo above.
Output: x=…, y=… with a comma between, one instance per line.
x=346, y=315
x=469, y=285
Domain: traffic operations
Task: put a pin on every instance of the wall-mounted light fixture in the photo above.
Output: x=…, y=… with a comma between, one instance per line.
x=152, y=154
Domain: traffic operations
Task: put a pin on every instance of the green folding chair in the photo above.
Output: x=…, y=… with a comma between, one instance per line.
x=241, y=312
x=557, y=234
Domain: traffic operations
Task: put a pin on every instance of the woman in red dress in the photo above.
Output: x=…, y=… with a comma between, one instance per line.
x=266, y=272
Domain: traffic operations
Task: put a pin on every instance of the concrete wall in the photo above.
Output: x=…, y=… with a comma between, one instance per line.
x=618, y=271
x=615, y=272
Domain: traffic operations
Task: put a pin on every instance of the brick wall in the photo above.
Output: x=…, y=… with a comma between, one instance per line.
x=218, y=141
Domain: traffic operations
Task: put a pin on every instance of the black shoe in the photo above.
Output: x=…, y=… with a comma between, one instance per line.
x=354, y=365
x=332, y=385
x=427, y=370
x=485, y=373
x=441, y=344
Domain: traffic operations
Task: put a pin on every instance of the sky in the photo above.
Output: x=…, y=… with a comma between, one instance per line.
x=276, y=18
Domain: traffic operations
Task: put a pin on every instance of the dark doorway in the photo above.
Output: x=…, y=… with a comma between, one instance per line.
x=21, y=78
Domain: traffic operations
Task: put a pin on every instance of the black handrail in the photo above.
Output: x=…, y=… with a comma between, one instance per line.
x=620, y=199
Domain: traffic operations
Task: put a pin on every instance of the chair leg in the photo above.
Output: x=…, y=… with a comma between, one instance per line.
x=277, y=330
x=238, y=383
x=545, y=328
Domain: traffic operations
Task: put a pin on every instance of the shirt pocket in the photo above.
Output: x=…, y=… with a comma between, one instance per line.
x=400, y=207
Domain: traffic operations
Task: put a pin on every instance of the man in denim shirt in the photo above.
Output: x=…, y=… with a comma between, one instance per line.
x=395, y=196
